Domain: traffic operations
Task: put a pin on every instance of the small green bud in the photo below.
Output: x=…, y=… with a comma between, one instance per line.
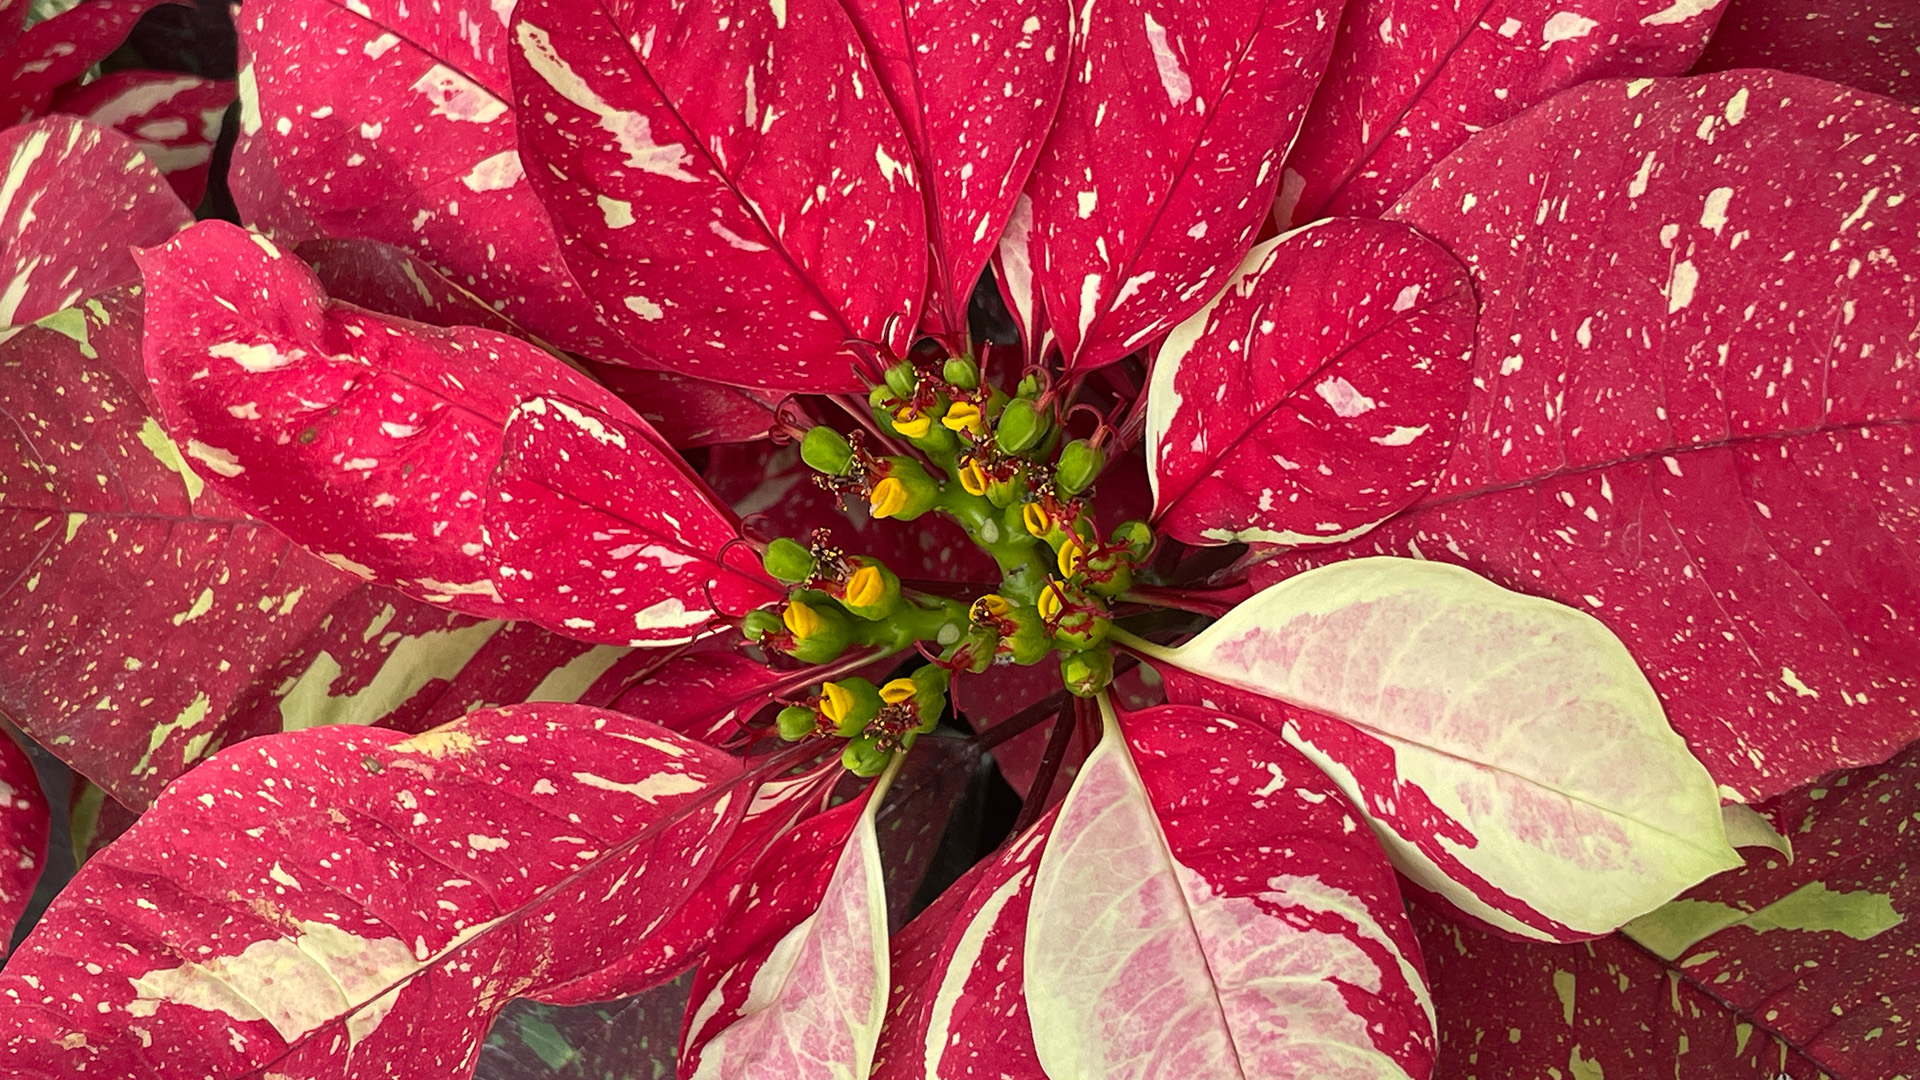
x=962, y=372
x=1020, y=426
x=1138, y=536
x=1078, y=630
x=826, y=450
x=863, y=757
x=1087, y=673
x=1029, y=385
x=1080, y=464
x=902, y=379
x=787, y=561
x=758, y=624
x=880, y=399
x=797, y=722
x=1029, y=642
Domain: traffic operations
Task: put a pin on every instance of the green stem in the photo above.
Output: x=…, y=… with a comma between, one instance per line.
x=1141, y=646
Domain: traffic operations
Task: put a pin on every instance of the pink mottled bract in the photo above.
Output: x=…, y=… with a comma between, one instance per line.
x=1411, y=80
x=1245, y=816
x=599, y=531
x=688, y=411
x=731, y=186
x=976, y=85
x=426, y=156
x=1655, y=437
x=958, y=1011
x=83, y=195
x=1163, y=161
x=394, y=281
x=512, y=850
x=23, y=833
x=278, y=394
x=1210, y=902
x=798, y=890
x=1320, y=395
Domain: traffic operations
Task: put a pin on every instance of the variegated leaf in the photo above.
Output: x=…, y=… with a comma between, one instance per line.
x=345, y=902
x=1412, y=80
x=1209, y=905
x=426, y=157
x=369, y=440
x=394, y=281
x=729, y=183
x=796, y=987
x=1317, y=394
x=1164, y=159
x=75, y=197
x=599, y=532
x=1506, y=749
x=1657, y=432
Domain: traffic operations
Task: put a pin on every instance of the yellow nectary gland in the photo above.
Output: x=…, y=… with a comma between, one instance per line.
x=801, y=621
x=899, y=690
x=866, y=587
x=889, y=497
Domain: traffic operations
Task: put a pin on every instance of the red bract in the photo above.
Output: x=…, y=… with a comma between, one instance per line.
x=1630, y=350
x=23, y=833
x=394, y=122
x=1866, y=44
x=1317, y=395
x=1150, y=188
x=959, y=1006
x=75, y=197
x=597, y=531
x=359, y=878
x=1654, y=434
x=1411, y=80
x=766, y=208
x=174, y=119
x=42, y=58
x=398, y=424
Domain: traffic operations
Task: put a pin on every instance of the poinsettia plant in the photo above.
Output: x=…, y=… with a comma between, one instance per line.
x=1448, y=484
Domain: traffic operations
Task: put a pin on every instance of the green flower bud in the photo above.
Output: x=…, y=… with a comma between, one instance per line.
x=787, y=561
x=1138, y=536
x=962, y=372
x=1029, y=385
x=1029, y=642
x=826, y=450
x=797, y=722
x=758, y=624
x=1087, y=673
x=863, y=757
x=880, y=399
x=1080, y=464
x=902, y=379
x=1081, y=630
x=1020, y=427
